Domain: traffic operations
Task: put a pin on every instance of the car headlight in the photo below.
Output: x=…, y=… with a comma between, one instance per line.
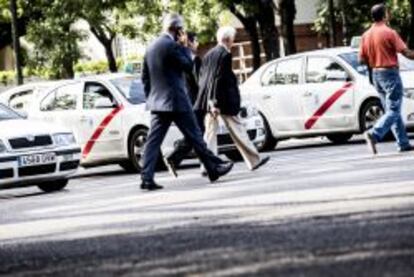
x=64, y=139
x=409, y=93
x=3, y=148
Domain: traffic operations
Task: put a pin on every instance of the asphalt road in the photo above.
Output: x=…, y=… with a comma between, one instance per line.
x=314, y=210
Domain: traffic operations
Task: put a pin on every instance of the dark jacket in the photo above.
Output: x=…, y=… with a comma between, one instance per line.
x=218, y=83
x=165, y=62
x=192, y=79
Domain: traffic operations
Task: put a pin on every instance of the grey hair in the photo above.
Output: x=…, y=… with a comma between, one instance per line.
x=172, y=21
x=225, y=32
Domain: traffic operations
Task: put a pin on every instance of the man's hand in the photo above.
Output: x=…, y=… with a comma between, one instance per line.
x=408, y=53
x=182, y=38
x=215, y=112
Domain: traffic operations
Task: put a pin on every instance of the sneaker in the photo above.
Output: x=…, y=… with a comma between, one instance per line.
x=406, y=149
x=369, y=138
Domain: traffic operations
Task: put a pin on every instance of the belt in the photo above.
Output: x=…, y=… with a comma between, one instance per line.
x=385, y=68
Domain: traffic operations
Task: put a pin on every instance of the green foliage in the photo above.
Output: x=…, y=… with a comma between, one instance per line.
x=7, y=77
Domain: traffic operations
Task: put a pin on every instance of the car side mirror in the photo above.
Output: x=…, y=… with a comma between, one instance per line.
x=337, y=76
x=104, y=103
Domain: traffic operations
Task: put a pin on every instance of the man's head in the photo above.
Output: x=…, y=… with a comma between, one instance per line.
x=173, y=24
x=226, y=36
x=379, y=13
x=192, y=41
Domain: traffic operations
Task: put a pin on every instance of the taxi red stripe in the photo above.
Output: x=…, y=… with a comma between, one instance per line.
x=325, y=106
x=99, y=130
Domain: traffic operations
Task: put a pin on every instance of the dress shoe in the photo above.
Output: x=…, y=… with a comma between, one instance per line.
x=171, y=167
x=261, y=163
x=220, y=171
x=369, y=138
x=150, y=186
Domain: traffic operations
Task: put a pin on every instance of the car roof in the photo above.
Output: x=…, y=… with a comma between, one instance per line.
x=106, y=77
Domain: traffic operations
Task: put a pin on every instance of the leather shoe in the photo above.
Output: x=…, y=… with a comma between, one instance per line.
x=220, y=171
x=150, y=186
x=261, y=163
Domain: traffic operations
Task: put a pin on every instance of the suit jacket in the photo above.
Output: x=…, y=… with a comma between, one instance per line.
x=218, y=83
x=192, y=80
x=165, y=62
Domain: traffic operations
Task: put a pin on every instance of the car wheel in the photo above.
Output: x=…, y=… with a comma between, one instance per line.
x=51, y=186
x=234, y=156
x=270, y=142
x=339, y=138
x=136, y=149
x=370, y=113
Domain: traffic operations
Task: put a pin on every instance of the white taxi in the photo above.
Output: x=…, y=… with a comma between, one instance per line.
x=108, y=116
x=321, y=93
x=35, y=153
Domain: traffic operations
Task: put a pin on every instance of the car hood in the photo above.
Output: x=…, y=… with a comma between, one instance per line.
x=23, y=127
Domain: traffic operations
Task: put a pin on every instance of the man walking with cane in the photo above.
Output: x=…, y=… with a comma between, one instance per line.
x=165, y=61
x=220, y=96
x=379, y=48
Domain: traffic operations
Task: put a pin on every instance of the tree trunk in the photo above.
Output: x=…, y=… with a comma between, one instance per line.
x=345, y=22
x=411, y=33
x=332, y=24
x=110, y=56
x=107, y=44
x=268, y=30
x=16, y=43
x=250, y=25
x=287, y=11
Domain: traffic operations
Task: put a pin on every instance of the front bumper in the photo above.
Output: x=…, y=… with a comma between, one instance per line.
x=255, y=129
x=12, y=175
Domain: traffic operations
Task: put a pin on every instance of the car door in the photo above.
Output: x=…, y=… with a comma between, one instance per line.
x=61, y=105
x=101, y=123
x=327, y=99
x=278, y=99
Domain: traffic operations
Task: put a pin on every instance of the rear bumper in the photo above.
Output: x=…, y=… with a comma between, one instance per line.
x=11, y=175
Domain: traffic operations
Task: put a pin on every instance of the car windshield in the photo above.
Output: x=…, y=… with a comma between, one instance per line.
x=8, y=114
x=352, y=59
x=131, y=88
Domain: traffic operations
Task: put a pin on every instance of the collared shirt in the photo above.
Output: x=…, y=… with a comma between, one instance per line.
x=380, y=46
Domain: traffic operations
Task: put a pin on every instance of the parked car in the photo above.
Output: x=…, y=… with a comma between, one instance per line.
x=108, y=117
x=35, y=153
x=321, y=93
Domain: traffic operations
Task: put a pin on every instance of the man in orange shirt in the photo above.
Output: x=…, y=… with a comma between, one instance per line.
x=379, y=48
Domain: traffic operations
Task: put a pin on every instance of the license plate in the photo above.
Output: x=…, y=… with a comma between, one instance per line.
x=37, y=159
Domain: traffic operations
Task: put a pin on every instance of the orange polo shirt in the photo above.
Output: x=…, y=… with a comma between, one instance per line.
x=380, y=45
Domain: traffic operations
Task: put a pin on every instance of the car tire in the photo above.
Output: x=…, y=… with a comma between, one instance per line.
x=51, y=186
x=135, y=150
x=339, y=138
x=369, y=114
x=234, y=156
x=270, y=142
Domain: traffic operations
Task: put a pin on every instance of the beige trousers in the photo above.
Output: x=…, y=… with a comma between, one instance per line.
x=238, y=134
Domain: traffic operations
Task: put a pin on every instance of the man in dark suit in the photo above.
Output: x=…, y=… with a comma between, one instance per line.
x=220, y=96
x=183, y=147
x=165, y=61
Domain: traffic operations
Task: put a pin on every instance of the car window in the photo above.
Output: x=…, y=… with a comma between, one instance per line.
x=20, y=100
x=283, y=73
x=93, y=93
x=7, y=114
x=324, y=69
x=62, y=98
x=131, y=88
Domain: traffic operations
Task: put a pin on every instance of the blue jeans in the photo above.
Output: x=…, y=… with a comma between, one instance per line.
x=389, y=86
